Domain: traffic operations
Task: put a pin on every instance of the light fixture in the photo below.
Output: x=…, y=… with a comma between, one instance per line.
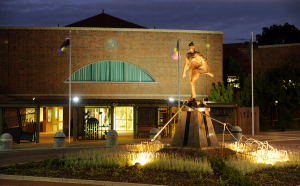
x=75, y=99
x=171, y=99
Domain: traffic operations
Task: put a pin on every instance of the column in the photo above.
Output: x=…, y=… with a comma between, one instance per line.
x=112, y=109
x=135, y=122
x=1, y=121
x=75, y=120
x=37, y=120
x=170, y=124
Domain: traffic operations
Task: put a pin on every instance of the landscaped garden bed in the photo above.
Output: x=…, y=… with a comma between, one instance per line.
x=155, y=164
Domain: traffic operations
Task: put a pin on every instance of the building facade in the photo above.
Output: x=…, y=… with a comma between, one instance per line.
x=113, y=70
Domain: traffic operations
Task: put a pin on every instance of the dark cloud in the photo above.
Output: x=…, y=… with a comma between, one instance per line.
x=236, y=18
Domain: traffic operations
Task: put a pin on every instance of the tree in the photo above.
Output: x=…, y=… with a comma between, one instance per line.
x=278, y=34
x=243, y=97
x=280, y=84
x=219, y=93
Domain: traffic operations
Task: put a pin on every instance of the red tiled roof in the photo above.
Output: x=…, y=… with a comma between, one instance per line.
x=104, y=20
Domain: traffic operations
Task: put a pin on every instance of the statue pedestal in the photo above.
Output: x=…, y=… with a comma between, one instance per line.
x=195, y=129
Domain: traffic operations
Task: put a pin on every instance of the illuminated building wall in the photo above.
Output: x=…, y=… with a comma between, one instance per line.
x=30, y=65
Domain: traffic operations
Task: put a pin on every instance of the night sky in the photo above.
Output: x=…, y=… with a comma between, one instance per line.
x=236, y=18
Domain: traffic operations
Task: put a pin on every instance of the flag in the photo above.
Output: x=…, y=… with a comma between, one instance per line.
x=174, y=52
x=249, y=48
x=64, y=45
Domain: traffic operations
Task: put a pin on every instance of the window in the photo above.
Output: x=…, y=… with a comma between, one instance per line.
x=101, y=114
x=110, y=71
x=233, y=81
x=49, y=115
x=124, y=118
x=61, y=119
x=30, y=114
x=55, y=113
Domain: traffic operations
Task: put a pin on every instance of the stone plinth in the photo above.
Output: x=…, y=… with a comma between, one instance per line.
x=195, y=129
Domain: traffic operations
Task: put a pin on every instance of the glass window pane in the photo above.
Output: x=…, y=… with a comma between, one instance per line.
x=121, y=113
x=41, y=114
x=129, y=124
x=30, y=114
x=55, y=113
x=124, y=118
x=49, y=115
x=129, y=112
x=61, y=115
x=111, y=71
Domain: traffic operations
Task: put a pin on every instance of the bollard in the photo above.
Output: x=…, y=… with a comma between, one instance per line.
x=236, y=131
x=112, y=138
x=6, y=141
x=153, y=132
x=59, y=139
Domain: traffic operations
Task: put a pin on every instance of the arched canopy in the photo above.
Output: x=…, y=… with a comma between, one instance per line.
x=111, y=71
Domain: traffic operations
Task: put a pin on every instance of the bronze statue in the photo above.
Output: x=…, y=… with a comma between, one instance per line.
x=197, y=64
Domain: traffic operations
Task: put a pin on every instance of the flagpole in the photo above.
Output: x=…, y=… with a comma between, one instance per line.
x=70, y=98
x=178, y=81
x=252, y=83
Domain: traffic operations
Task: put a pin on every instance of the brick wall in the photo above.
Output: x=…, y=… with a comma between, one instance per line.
x=31, y=67
x=268, y=56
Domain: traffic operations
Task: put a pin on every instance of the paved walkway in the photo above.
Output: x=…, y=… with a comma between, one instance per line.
x=31, y=151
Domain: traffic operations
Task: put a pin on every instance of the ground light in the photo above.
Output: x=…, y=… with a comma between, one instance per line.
x=141, y=158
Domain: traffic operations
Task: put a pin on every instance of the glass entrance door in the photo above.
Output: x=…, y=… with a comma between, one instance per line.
x=123, y=118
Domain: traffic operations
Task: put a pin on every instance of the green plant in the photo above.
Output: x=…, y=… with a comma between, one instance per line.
x=31, y=164
x=77, y=170
x=64, y=168
x=263, y=175
x=101, y=170
x=193, y=174
x=199, y=179
x=36, y=170
x=12, y=168
x=118, y=171
x=116, y=174
x=275, y=182
x=138, y=174
x=276, y=173
x=161, y=179
x=220, y=182
x=220, y=93
x=290, y=177
x=292, y=170
x=52, y=171
x=92, y=173
x=179, y=164
x=231, y=174
x=48, y=163
x=161, y=176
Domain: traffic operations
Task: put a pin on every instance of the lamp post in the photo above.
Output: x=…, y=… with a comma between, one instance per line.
x=75, y=100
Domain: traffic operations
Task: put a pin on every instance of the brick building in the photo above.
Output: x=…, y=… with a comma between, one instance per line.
x=264, y=56
x=122, y=76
